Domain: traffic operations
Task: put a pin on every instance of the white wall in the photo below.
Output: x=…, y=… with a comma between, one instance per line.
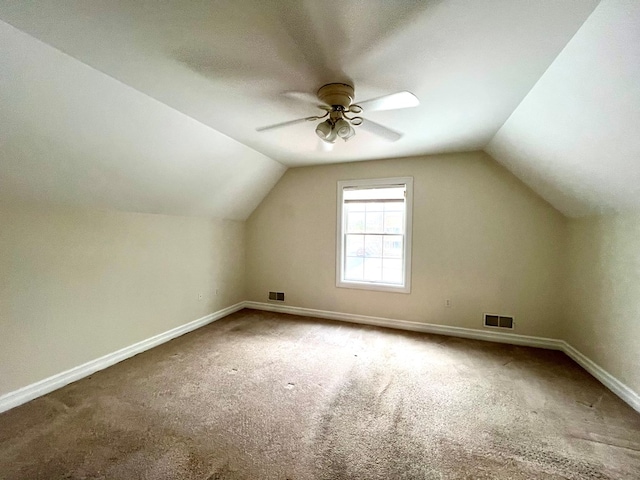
x=604, y=293
x=76, y=285
x=481, y=238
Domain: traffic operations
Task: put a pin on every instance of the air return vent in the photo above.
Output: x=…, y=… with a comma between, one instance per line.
x=498, y=321
x=278, y=296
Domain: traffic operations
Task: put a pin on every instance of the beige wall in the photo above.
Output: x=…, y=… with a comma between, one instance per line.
x=76, y=285
x=480, y=238
x=604, y=293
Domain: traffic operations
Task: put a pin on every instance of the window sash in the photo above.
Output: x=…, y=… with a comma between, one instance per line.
x=374, y=267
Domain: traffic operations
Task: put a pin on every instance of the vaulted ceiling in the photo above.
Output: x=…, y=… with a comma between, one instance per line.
x=153, y=106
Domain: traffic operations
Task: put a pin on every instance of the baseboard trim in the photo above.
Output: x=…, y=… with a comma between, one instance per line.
x=47, y=385
x=491, y=336
x=612, y=383
x=42, y=387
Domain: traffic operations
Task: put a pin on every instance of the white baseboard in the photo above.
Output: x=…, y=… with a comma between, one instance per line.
x=491, y=336
x=612, y=383
x=35, y=390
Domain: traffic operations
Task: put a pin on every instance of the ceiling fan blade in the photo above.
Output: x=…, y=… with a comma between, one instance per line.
x=220, y=68
x=262, y=52
x=304, y=97
x=324, y=146
x=380, y=130
x=284, y=124
x=313, y=29
x=390, y=102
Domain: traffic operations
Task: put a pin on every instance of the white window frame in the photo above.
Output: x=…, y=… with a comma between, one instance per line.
x=408, y=230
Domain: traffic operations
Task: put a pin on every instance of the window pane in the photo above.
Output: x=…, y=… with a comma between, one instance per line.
x=373, y=245
x=374, y=207
x=355, y=207
x=394, y=207
x=393, y=222
x=355, y=246
x=393, y=246
x=392, y=270
x=374, y=222
x=355, y=222
x=354, y=268
x=372, y=269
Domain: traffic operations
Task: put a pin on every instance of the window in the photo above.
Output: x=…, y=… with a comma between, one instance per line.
x=374, y=234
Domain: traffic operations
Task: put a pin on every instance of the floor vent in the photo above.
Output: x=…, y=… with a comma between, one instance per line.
x=498, y=321
x=277, y=296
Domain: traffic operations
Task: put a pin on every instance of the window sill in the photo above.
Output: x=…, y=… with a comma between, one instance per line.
x=381, y=287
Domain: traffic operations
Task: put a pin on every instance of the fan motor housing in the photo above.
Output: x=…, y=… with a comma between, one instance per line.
x=336, y=94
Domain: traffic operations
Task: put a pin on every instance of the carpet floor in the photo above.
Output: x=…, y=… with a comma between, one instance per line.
x=260, y=395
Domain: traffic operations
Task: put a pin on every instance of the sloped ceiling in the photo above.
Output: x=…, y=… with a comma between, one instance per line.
x=165, y=97
x=73, y=136
x=575, y=138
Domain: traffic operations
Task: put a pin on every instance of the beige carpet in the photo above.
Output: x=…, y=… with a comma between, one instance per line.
x=268, y=396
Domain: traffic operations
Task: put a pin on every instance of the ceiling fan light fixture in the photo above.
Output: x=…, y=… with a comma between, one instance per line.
x=324, y=129
x=333, y=135
x=343, y=129
x=352, y=132
x=336, y=101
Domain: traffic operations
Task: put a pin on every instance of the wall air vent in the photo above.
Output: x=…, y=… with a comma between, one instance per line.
x=277, y=296
x=498, y=321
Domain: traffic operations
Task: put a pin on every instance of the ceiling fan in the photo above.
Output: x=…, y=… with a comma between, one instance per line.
x=337, y=101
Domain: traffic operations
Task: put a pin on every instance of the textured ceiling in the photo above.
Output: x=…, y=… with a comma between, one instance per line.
x=167, y=95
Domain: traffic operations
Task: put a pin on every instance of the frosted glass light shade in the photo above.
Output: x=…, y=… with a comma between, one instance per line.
x=324, y=129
